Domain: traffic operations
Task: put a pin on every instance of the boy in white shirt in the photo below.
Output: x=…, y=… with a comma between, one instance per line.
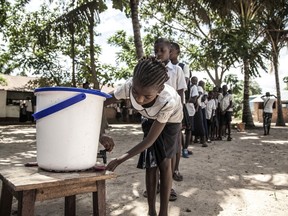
x=267, y=111
x=225, y=105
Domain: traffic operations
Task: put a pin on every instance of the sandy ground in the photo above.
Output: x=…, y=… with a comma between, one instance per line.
x=245, y=177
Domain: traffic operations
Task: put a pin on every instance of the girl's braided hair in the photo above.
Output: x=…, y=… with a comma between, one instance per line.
x=150, y=71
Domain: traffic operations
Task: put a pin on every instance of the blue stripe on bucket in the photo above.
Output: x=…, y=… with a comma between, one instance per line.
x=71, y=89
x=60, y=106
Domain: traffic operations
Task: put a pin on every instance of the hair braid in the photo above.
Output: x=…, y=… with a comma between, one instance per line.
x=150, y=71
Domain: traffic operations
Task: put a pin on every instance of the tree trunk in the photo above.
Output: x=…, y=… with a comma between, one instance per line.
x=92, y=51
x=136, y=28
x=280, y=118
x=247, y=115
x=73, y=59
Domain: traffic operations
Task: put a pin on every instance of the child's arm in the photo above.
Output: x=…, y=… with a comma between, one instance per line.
x=111, y=100
x=181, y=93
x=153, y=134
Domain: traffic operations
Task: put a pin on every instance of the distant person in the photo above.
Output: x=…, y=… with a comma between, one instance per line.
x=86, y=85
x=22, y=111
x=29, y=109
x=192, y=105
x=210, y=115
x=226, y=108
x=162, y=106
x=199, y=117
x=267, y=111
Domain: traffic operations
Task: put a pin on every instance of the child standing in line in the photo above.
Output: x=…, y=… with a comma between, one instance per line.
x=174, y=54
x=210, y=115
x=162, y=106
x=162, y=50
x=192, y=106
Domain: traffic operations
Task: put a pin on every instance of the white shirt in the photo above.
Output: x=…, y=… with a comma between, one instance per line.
x=268, y=104
x=176, y=77
x=167, y=106
x=225, y=101
x=29, y=107
x=210, y=106
x=186, y=71
x=190, y=106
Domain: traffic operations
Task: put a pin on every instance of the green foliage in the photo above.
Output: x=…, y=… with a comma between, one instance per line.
x=126, y=57
x=237, y=87
x=3, y=81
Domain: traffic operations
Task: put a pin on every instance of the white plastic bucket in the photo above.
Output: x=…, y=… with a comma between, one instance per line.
x=68, y=122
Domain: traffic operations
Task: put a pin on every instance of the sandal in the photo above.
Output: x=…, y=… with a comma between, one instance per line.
x=177, y=176
x=173, y=195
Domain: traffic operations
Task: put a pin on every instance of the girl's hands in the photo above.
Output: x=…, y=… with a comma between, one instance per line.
x=112, y=165
x=107, y=142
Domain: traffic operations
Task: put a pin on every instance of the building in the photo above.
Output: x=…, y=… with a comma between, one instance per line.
x=13, y=91
x=256, y=105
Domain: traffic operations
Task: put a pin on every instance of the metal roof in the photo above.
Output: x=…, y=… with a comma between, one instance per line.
x=16, y=83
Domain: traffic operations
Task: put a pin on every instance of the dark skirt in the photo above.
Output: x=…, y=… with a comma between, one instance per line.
x=199, y=129
x=165, y=145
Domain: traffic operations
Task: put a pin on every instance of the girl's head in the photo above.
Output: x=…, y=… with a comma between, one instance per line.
x=162, y=49
x=149, y=77
x=175, y=51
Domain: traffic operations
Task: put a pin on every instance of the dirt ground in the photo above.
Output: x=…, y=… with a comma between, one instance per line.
x=245, y=177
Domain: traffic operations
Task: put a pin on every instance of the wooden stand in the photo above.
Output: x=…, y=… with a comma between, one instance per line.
x=30, y=184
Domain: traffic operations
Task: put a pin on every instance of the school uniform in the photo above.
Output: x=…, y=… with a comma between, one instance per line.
x=210, y=108
x=176, y=77
x=224, y=102
x=191, y=107
x=167, y=108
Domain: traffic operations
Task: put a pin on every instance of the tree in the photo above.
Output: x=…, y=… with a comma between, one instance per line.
x=250, y=47
x=125, y=59
x=276, y=20
x=131, y=9
x=86, y=13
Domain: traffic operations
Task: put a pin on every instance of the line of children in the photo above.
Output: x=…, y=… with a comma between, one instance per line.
x=156, y=91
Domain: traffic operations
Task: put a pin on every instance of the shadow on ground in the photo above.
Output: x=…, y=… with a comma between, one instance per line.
x=224, y=179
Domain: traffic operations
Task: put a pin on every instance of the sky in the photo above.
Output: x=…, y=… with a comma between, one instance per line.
x=113, y=20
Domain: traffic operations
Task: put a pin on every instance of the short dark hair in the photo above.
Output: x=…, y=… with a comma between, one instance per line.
x=163, y=40
x=176, y=45
x=150, y=71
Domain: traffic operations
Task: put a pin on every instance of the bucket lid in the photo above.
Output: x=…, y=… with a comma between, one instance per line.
x=72, y=89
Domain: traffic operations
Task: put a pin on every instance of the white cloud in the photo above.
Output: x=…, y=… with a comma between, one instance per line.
x=111, y=21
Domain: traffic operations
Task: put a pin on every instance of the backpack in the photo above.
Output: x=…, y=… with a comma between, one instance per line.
x=187, y=92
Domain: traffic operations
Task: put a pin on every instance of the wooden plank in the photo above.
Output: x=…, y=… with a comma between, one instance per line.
x=99, y=199
x=5, y=200
x=70, y=205
x=27, y=178
x=26, y=203
x=64, y=190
